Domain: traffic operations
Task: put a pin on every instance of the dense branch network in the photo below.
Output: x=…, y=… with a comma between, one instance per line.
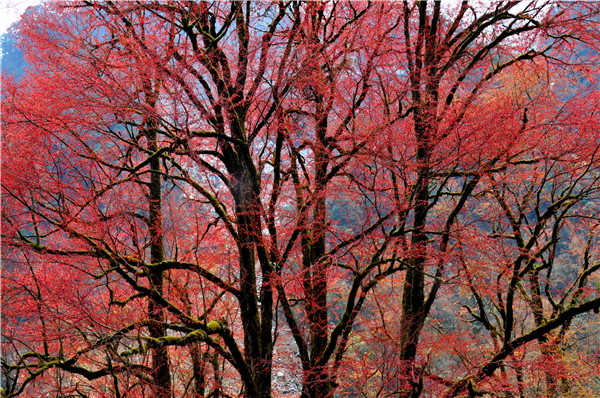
x=200, y=197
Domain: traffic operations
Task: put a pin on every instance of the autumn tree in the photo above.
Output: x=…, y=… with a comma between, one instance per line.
x=138, y=155
x=488, y=120
x=188, y=187
x=181, y=106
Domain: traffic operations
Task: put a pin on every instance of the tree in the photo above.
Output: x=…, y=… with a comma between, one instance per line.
x=470, y=136
x=123, y=128
x=189, y=186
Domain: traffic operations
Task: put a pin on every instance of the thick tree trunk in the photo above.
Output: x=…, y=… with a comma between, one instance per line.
x=317, y=384
x=161, y=372
x=413, y=294
x=255, y=318
x=198, y=369
x=317, y=380
x=256, y=301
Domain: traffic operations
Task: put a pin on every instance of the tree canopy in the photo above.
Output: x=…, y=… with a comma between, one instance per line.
x=315, y=199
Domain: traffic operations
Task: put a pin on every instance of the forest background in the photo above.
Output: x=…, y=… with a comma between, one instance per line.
x=316, y=199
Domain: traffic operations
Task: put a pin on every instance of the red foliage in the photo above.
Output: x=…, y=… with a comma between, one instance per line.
x=282, y=198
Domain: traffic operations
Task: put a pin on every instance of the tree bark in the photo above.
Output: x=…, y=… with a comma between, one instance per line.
x=161, y=372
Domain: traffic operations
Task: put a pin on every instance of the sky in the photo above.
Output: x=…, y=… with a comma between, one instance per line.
x=11, y=10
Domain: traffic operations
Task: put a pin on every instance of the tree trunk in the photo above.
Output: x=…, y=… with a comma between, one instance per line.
x=256, y=307
x=413, y=293
x=161, y=372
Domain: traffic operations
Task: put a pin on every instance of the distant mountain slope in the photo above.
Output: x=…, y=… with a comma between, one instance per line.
x=12, y=61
